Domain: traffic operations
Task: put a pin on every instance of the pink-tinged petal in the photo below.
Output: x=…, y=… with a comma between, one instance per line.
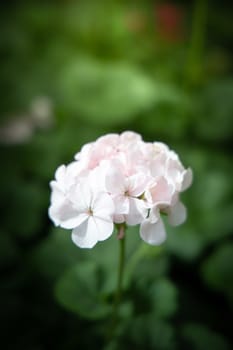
x=115, y=181
x=154, y=234
x=137, y=212
x=85, y=151
x=85, y=236
x=187, y=179
x=74, y=170
x=118, y=219
x=97, y=176
x=104, y=228
x=102, y=205
x=138, y=184
x=158, y=162
x=109, y=139
x=162, y=192
x=177, y=214
x=129, y=136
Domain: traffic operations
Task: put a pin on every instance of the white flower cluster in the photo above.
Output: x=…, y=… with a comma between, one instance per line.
x=119, y=179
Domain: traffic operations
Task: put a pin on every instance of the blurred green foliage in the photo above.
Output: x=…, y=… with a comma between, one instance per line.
x=163, y=70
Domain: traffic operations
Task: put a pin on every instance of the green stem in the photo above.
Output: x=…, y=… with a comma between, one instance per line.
x=118, y=294
x=120, y=272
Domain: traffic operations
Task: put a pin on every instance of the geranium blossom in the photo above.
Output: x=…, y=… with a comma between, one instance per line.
x=119, y=179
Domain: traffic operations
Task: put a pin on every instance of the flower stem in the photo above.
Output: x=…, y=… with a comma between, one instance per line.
x=120, y=270
x=121, y=265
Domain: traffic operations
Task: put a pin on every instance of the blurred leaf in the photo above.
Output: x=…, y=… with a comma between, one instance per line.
x=106, y=93
x=55, y=254
x=140, y=253
x=80, y=291
x=106, y=255
x=184, y=241
x=26, y=203
x=215, y=111
x=169, y=116
x=149, y=270
x=200, y=337
x=63, y=142
x=216, y=205
x=163, y=295
x=209, y=216
x=111, y=346
x=217, y=270
x=217, y=186
x=148, y=332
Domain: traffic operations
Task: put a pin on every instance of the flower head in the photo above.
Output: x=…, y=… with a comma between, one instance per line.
x=119, y=179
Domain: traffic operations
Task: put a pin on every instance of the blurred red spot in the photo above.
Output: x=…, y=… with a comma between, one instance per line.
x=169, y=22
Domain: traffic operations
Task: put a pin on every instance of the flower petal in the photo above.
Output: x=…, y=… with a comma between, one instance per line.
x=66, y=215
x=119, y=219
x=154, y=234
x=187, y=179
x=137, y=211
x=162, y=192
x=57, y=196
x=121, y=205
x=102, y=204
x=84, y=235
x=115, y=180
x=138, y=184
x=154, y=215
x=81, y=196
x=177, y=214
x=103, y=227
x=60, y=173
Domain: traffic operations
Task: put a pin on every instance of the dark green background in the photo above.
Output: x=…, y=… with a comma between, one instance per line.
x=110, y=66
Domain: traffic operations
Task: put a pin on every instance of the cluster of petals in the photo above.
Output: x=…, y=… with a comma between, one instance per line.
x=119, y=179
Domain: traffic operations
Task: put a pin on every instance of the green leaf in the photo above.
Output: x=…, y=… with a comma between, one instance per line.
x=146, y=331
x=55, y=254
x=216, y=108
x=184, y=241
x=217, y=270
x=80, y=290
x=106, y=94
x=202, y=338
x=210, y=215
x=163, y=295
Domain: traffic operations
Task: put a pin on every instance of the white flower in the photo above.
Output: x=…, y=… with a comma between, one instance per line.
x=119, y=179
x=126, y=192
x=86, y=211
x=94, y=216
x=163, y=198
